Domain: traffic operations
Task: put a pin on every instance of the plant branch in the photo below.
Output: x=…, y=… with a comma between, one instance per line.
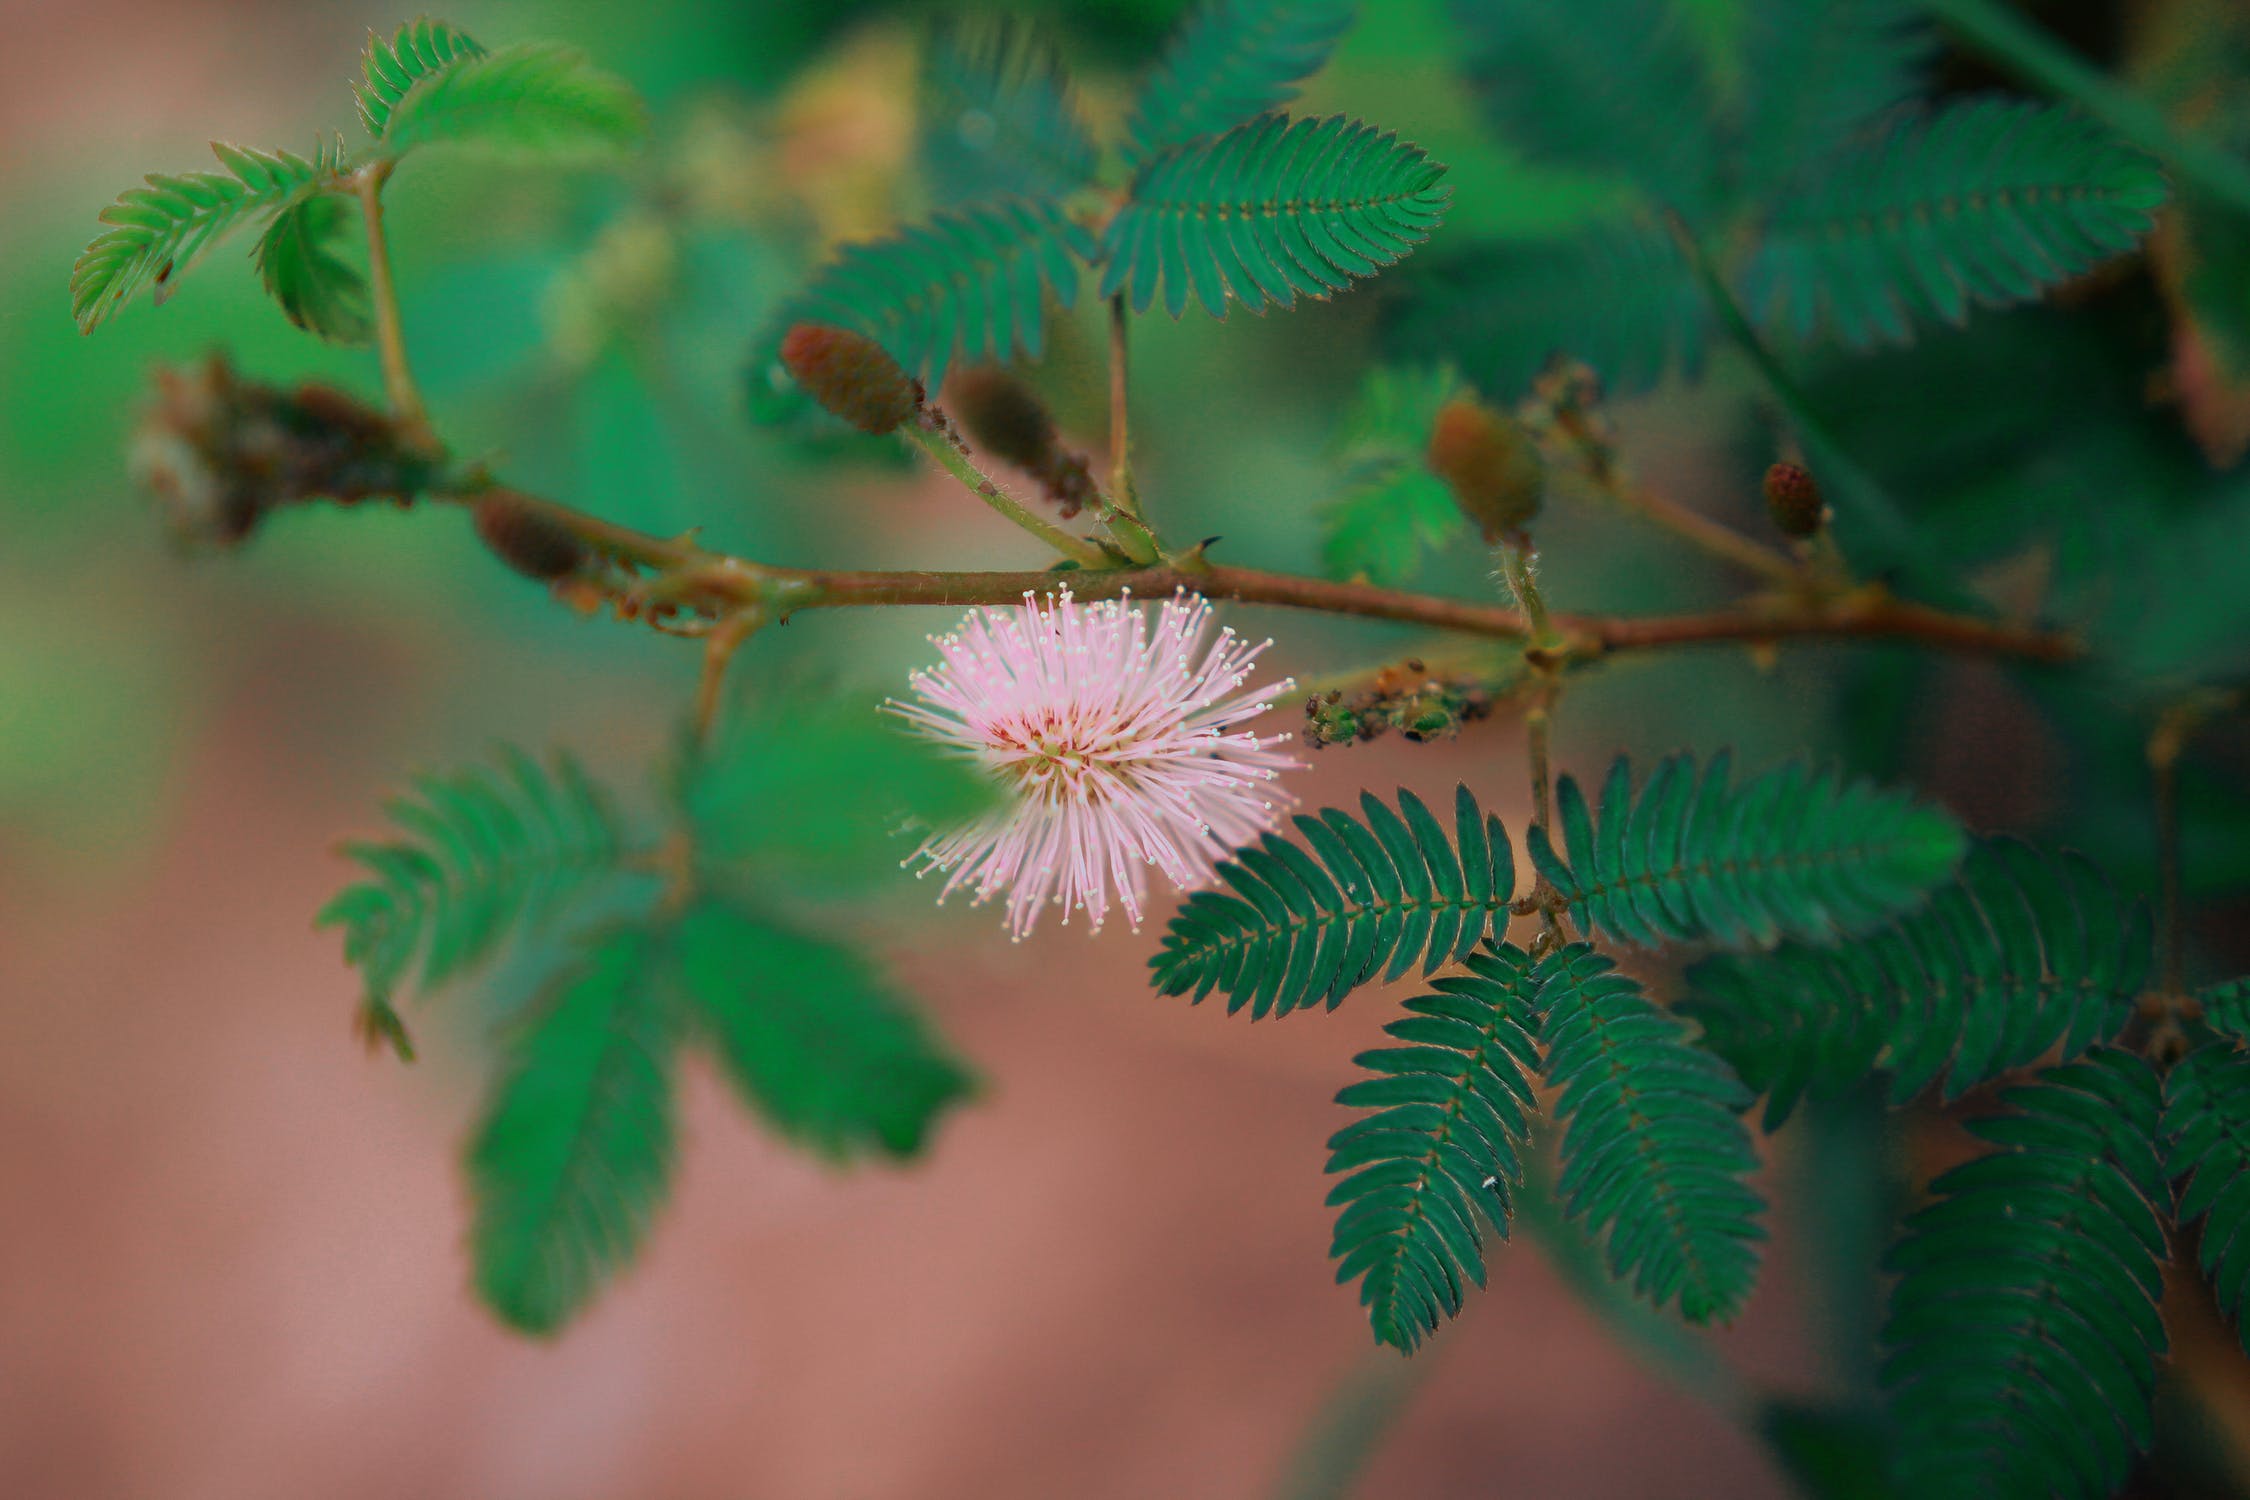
x=1715, y=537
x=716, y=583
x=390, y=340
x=2020, y=47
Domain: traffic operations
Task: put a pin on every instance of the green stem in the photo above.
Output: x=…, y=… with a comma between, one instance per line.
x=390, y=339
x=2032, y=55
x=1350, y=1427
x=980, y=484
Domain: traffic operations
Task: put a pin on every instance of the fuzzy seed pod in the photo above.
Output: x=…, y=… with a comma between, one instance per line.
x=851, y=375
x=1794, y=501
x=1490, y=464
x=1005, y=418
x=524, y=537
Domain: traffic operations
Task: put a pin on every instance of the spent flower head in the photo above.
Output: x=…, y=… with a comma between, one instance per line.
x=1120, y=743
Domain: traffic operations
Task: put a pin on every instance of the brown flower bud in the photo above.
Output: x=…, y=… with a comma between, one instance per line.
x=525, y=537
x=1005, y=418
x=1794, y=501
x=851, y=375
x=1490, y=464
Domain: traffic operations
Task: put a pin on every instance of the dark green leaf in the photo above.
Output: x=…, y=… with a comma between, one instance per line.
x=1231, y=61
x=1390, y=508
x=998, y=119
x=575, y=1152
x=316, y=287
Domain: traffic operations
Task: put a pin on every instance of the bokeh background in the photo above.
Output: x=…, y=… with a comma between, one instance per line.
x=231, y=1242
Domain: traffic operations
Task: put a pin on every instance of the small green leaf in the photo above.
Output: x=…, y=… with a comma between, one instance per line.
x=318, y=290
x=811, y=1037
x=575, y=1151
x=1390, y=508
x=422, y=49
x=533, y=99
x=2207, y=1152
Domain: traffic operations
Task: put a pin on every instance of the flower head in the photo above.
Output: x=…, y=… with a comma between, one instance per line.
x=1120, y=746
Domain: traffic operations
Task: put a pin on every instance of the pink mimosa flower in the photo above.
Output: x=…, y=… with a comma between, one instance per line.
x=1120, y=746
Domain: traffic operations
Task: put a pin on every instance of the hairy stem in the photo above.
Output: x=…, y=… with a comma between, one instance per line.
x=390, y=339
x=717, y=583
x=2007, y=38
x=1518, y=562
x=950, y=458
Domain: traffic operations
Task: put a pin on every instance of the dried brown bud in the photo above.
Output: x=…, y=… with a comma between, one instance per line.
x=220, y=452
x=1490, y=464
x=851, y=375
x=522, y=534
x=1005, y=418
x=1794, y=501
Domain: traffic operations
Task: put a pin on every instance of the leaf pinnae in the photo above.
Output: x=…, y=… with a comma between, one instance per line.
x=531, y=99
x=1230, y=61
x=422, y=49
x=998, y=116
x=1270, y=211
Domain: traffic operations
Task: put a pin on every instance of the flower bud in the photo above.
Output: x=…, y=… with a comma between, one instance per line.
x=525, y=537
x=1490, y=464
x=1005, y=418
x=1794, y=501
x=851, y=375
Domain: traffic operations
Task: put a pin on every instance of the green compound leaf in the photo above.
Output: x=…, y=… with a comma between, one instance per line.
x=316, y=287
x=1290, y=934
x=1617, y=87
x=159, y=231
x=811, y=1037
x=998, y=118
x=1984, y=203
x=2207, y=1151
x=486, y=853
x=2022, y=953
x=971, y=285
x=1231, y=61
x=1269, y=212
x=1619, y=298
x=1816, y=72
x=1444, y=1151
x=1786, y=854
x=1654, y=1152
x=422, y=49
x=2024, y=1328
x=575, y=1152
x=532, y=99
x=2226, y=1008
x=1390, y=508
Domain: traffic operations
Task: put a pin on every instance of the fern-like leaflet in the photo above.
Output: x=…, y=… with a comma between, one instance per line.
x=1231, y=61
x=810, y=1036
x=159, y=231
x=1984, y=203
x=1788, y=853
x=1654, y=1152
x=1394, y=892
x=2024, y=1327
x=1268, y=212
x=422, y=49
x=2207, y=1152
x=534, y=98
x=575, y=1151
x=1816, y=72
x=998, y=117
x=2020, y=954
x=1619, y=297
x=1444, y=1151
x=487, y=852
x=315, y=287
